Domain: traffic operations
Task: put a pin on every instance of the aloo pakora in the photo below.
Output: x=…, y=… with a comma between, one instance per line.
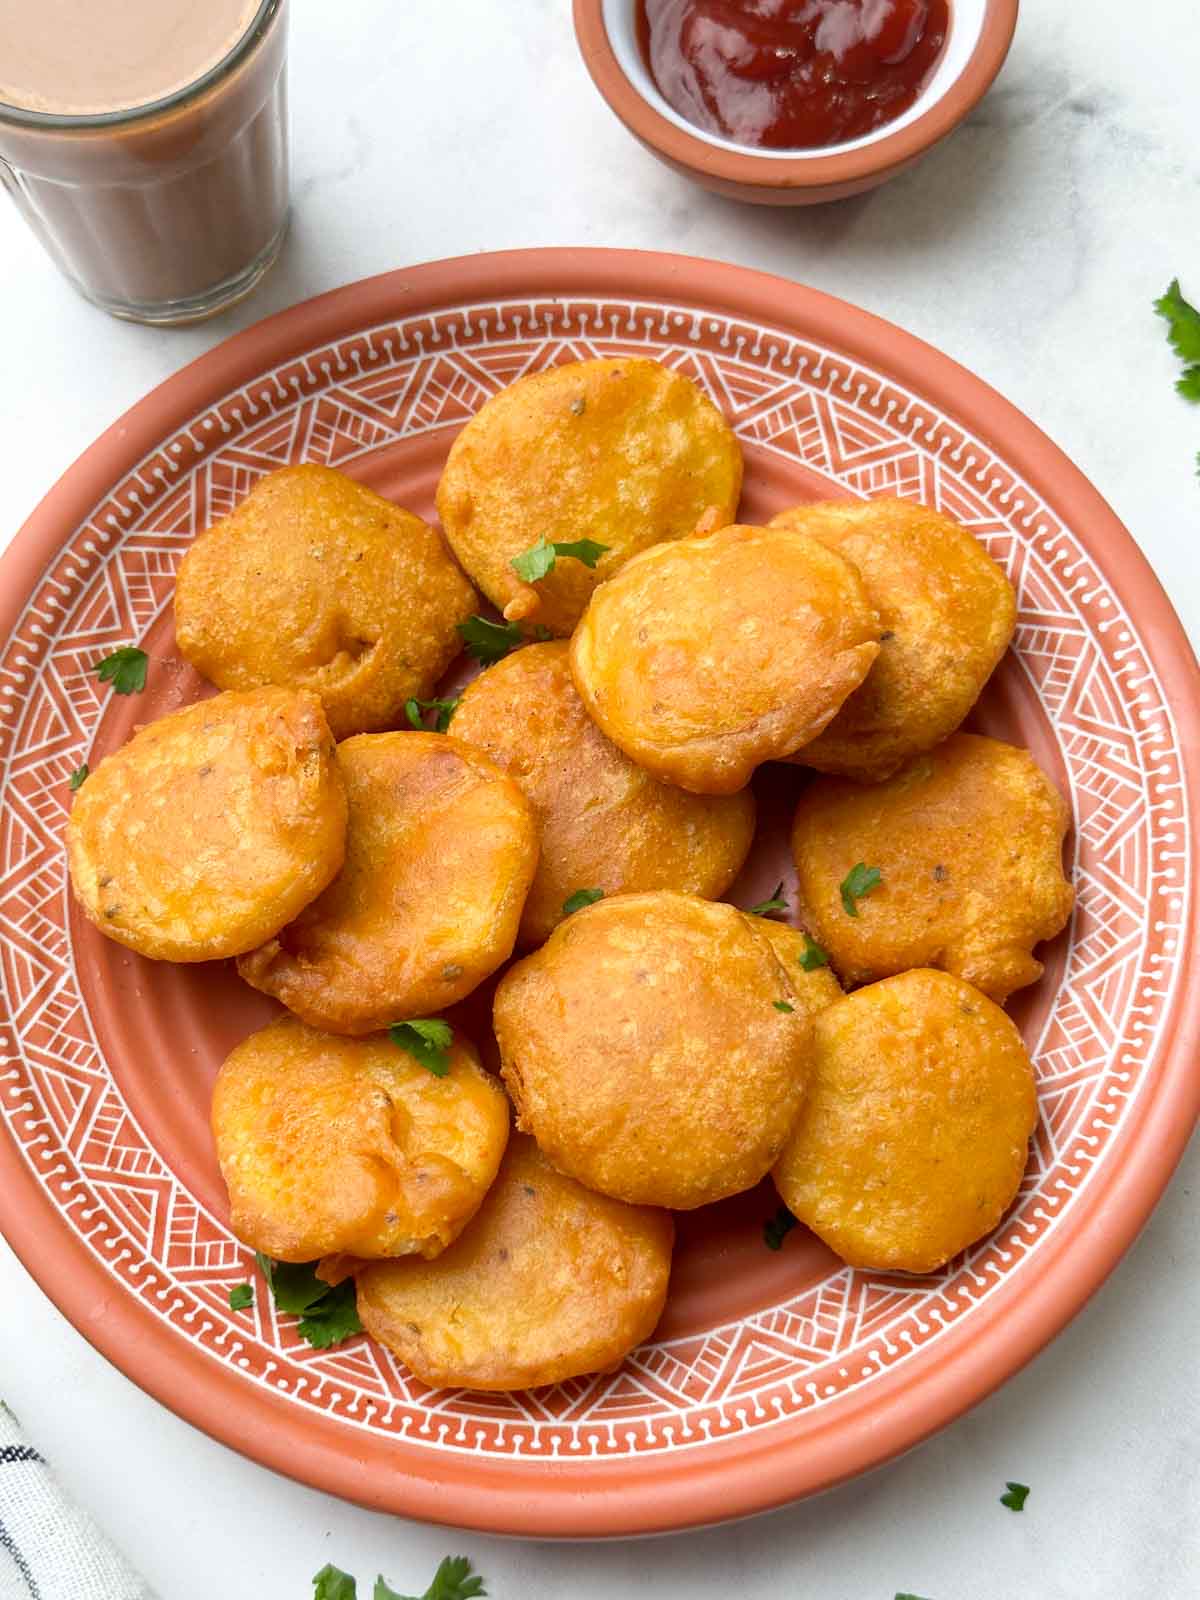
x=331, y=1144
x=967, y=845
x=549, y=1282
x=209, y=831
x=911, y=1143
x=441, y=849
x=362, y=598
x=621, y=452
x=946, y=614
x=814, y=980
x=605, y=823
x=703, y=658
x=656, y=1047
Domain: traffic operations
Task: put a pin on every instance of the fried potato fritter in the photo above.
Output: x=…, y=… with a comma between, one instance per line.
x=703, y=658
x=624, y=452
x=441, y=849
x=947, y=614
x=363, y=598
x=211, y=828
x=656, y=1047
x=605, y=823
x=817, y=987
x=915, y=1132
x=968, y=840
x=329, y=1144
x=549, y=1282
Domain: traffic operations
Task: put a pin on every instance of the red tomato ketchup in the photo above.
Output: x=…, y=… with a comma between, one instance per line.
x=792, y=74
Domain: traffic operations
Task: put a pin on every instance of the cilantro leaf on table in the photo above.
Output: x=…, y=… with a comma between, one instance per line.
x=489, y=642
x=1016, y=1496
x=414, y=710
x=331, y=1583
x=766, y=908
x=241, y=1296
x=813, y=956
x=327, y=1315
x=582, y=897
x=453, y=1580
x=79, y=777
x=910, y=1597
x=427, y=1040
x=857, y=884
x=541, y=558
x=125, y=669
x=1183, y=331
x=776, y=1228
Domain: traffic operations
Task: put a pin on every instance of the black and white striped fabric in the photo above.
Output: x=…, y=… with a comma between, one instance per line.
x=49, y=1549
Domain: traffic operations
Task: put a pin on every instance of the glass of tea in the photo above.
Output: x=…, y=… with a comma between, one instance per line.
x=145, y=142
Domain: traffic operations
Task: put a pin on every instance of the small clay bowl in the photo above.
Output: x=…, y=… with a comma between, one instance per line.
x=980, y=34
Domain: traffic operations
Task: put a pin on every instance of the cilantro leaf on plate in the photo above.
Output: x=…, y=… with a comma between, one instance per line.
x=79, y=777
x=453, y=1580
x=1016, y=1496
x=581, y=897
x=125, y=669
x=765, y=908
x=541, y=558
x=328, y=1315
x=331, y=1583
x=414, y=710
x=427, y=1040
x=814, y=955
x=241, y=1296
x=776, y=1228
x=857, y=884
x=489, y=642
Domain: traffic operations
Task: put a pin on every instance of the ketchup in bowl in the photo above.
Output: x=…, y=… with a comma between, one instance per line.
x=792, y=74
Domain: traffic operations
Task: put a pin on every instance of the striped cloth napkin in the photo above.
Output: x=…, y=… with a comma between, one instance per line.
x=49, y=1549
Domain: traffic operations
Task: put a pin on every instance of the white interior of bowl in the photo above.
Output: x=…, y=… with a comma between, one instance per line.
x=966, y=25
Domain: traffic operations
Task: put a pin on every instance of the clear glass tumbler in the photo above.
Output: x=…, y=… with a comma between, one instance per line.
x=171, y=211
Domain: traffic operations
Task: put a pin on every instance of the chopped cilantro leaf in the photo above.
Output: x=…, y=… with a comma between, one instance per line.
x=327, y=1315
x=540, y=559
x=1183, y=330
x=814, y=956
x=78, y=778
x=782, y=1005
x=241, y=1296
x=414, y=710
x=1016, y=1496
x=777, y=902
x=125, y=669
x=581, y=897
x=776, y=1228
x=489, y=642
x=910, y=1597
x=428, y=1040
x=453, y=1580
x=331, y=1583
x=858, y=883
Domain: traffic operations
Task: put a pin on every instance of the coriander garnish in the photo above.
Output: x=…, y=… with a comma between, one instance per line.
x=581, y=897
x=1016, y=1496
x=327, y=1315
x=241, y=1296
x=427, y=1040
x=1183, y=331
x=782, y=1005
x=813, y=955
x=540, y=559
x=125, y=669
x=414, y=710
x=857, y=884
x=453, y=1580
x=776, y=1228
x=765, y=908
x=79, y=777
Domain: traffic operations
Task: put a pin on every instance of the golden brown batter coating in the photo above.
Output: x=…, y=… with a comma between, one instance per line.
x=946, y=613
x=211, y=828
x=656, y=1048
x=317, y=583
x=623, y=452
x=915, y=1132
x=331, y=1144
x=605, y=823
x=550, y=1281
x=968, y=840
x=441, y=849
x=703, y=658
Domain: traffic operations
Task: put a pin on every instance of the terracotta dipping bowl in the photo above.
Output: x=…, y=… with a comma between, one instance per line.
x=980, y=34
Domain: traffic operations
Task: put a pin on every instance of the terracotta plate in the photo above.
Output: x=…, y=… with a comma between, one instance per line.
x=773, y=1375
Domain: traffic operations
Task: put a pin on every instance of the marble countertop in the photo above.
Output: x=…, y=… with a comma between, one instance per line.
x=1029, y=247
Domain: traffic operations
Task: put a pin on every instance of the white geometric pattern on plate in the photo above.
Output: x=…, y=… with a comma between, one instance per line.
x=1114, y=731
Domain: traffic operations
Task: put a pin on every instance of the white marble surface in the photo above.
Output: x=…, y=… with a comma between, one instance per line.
x=1029, y=246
